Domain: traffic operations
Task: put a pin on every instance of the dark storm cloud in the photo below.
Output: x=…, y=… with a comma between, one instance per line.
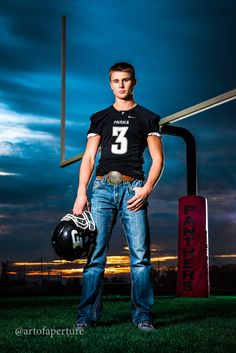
x=24, y=41
x=36, y=178
x=30, y=54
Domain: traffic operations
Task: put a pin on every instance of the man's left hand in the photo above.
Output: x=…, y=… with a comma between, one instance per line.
x=139, y=199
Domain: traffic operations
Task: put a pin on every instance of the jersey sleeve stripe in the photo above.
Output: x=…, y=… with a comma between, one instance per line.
x=154, y=133
x=91, y=135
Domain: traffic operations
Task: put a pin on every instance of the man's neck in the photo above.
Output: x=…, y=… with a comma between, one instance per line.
x=121, y=104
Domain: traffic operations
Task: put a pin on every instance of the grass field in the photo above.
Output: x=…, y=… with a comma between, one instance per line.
x=182, y=325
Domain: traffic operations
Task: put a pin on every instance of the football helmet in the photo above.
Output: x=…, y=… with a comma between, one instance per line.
x=74, y=237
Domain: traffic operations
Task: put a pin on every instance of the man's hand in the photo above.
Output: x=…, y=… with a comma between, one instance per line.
x=139, y=199
x=81, y=202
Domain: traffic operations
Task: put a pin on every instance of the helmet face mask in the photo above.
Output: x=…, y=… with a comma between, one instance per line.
x=74, y=237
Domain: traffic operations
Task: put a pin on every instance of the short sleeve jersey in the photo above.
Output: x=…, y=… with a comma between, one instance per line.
x=123, y=138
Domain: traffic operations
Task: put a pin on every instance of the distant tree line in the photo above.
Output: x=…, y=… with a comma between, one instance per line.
x=221, y=278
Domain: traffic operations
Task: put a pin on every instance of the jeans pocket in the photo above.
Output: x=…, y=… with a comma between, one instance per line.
x=131, y=191
x=133, y=184
x=96, y=184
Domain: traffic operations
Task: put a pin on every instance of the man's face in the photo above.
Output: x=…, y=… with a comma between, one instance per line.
x=122, y=84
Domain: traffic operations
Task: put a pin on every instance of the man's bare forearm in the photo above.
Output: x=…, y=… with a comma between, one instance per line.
x=157, y=154
x=85, y=174
x=86, y=170
x=154, y=174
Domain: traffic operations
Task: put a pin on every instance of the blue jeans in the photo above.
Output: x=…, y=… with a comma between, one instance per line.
x=107, y=201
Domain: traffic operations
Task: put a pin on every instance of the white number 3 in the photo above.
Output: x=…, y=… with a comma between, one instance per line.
x=121, y=143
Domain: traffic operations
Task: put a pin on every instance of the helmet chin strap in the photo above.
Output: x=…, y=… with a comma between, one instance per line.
x=84, y=221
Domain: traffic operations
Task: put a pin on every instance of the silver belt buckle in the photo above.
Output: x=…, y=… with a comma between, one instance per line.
x=114, y=177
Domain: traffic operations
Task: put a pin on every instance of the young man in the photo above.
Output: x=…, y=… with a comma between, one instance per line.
x=123, y=130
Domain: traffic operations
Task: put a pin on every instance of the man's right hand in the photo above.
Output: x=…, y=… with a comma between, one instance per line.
x=81, y=202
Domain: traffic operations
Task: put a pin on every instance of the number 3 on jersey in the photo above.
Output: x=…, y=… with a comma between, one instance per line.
x=121, y=143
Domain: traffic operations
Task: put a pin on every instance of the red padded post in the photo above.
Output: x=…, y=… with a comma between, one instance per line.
x=193, y=256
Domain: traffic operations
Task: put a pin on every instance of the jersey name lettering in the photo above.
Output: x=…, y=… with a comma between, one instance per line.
x=116, y=122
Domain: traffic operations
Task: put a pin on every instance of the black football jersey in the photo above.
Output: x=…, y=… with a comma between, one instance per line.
x=123, y=138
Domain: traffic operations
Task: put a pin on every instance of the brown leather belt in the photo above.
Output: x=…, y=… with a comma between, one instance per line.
x=114, y=177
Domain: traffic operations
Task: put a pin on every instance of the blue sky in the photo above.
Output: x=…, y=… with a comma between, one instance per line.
x=183, y=52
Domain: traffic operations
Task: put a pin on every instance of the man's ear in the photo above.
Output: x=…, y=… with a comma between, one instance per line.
x=134, y=82
x=111, y=86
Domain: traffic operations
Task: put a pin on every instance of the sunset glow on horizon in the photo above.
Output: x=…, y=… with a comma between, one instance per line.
x=116, y=265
